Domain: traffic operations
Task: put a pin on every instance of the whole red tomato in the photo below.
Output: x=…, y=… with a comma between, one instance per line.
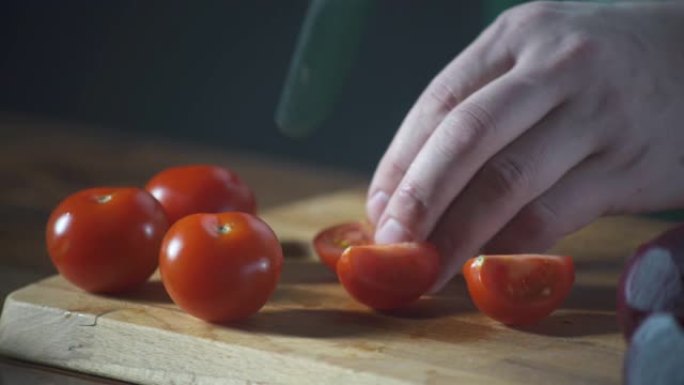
x=519, y=289
x=106, y=240
x=386, y=277
x=200, y=189
x=329, y=243
x=220, y=267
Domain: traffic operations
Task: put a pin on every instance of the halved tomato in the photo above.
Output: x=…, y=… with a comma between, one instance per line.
x=386, y=277
x=519, y=289
x=332, y=241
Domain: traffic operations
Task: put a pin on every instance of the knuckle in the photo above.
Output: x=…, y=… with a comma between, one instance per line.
x=441, y=97
x=538, y=11
x=531, y=13
x=504, y=177
x=395, y=169
x=574, y=50
x=467, y=127
x=412, y=201
x=538, y=220
x=559, y=66
x=535, y=78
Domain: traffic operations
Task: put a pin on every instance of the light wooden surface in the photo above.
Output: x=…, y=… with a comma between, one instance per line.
x=41, y=161
x=311, y=332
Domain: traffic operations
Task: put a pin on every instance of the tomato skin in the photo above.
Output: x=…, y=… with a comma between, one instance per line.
x=519, y=289
x=332, y=241
x=220, y=267
x=106, y=240
x=386, y=277
x=194, y=189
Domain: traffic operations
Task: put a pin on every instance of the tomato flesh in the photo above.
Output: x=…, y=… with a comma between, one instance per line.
x=195, y=189
x=386, y=277
x=106, y=240
x=519, y=289
x=332, y=241
x=220, y=267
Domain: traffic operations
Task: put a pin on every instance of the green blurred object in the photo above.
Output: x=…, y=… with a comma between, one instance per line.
x=492, y=8
x=325, y=51
x=673, y=215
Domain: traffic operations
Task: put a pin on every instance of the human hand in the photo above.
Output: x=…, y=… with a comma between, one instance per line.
x=556, y=114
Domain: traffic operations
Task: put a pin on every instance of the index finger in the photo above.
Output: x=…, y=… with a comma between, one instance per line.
x=483, y=61
x=475, y=131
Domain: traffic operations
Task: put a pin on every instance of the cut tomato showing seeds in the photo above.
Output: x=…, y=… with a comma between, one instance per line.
x=332, y=241
x=519, y=289
x=386, y=277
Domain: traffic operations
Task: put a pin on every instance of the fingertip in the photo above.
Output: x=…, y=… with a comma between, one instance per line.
x=444, y=278
x=450, y=268
x=375, y=206
x=437, y=287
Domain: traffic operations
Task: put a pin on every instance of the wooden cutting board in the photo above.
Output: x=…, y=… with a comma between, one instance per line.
x=311, y=332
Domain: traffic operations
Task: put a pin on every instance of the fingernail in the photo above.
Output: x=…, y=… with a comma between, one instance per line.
x=450, y=269
x=439, y=285
x=391, y=232
x=376, y=205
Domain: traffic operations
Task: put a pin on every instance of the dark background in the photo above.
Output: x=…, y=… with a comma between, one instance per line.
x=212, y=71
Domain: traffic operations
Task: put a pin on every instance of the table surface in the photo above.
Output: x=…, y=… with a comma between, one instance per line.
x=43, y=161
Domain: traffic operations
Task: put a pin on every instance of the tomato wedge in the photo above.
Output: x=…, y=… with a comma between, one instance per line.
x=386, y=277
x=519, y=289
x=332, y=241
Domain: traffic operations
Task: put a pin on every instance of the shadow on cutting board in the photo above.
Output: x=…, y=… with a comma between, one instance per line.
x=338, y=323
x=592, y=297
x=307, y=311
x=314, y=323
x=574, y=323
x=306, y=272
x=295, y=249
x=151, y=292
x=431, y=308
x=452, y=300
x=589, y=310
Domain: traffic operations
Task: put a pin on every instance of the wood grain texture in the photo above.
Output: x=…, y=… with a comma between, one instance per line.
x=311, y=332
x=41, y=161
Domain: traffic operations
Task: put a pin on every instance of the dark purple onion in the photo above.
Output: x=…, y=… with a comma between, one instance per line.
x=652, y=281
x=656, y=353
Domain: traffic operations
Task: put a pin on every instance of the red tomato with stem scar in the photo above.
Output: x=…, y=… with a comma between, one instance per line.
x=106, y=240
x=220, y=267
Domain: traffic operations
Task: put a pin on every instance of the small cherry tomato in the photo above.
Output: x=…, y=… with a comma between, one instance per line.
x=386, y=277
x=332, y=241
x=200, y=189
x=106, y=240
x=519, y=289
x=220, y=267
